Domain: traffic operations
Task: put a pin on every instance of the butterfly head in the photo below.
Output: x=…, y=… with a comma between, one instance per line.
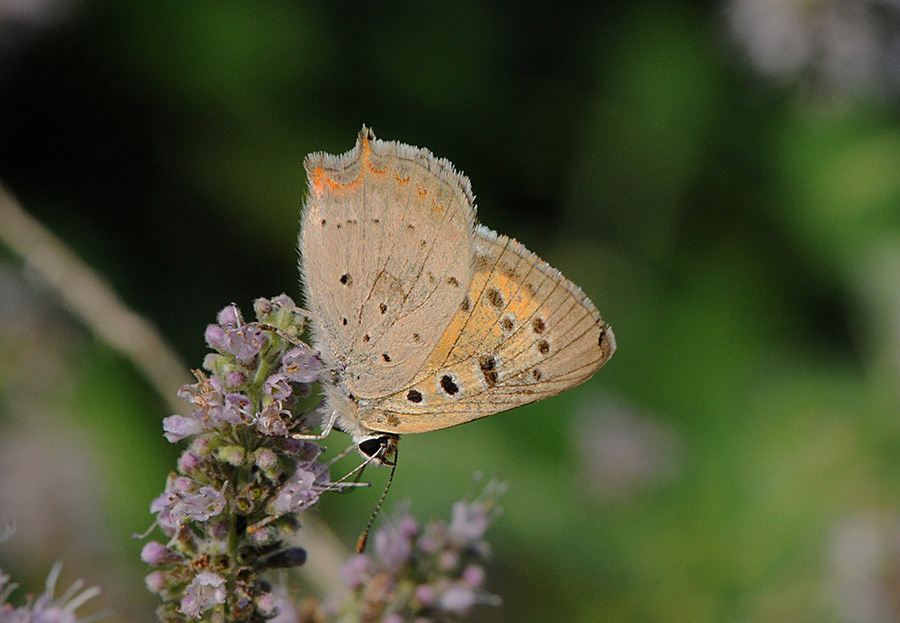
x=380, y=448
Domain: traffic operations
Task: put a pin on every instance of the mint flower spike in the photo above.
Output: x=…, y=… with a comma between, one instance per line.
x=424, y=573
x=252, y=468
x=244, y=468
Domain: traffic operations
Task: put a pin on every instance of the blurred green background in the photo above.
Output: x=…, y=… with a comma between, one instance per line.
x=722, y=179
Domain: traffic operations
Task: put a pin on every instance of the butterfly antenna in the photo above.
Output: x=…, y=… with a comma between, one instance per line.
x=361, y=541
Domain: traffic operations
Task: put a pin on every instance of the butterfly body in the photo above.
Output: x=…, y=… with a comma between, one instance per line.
x=426, y=319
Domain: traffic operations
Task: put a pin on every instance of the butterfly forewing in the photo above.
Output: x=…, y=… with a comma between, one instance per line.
x=386, y=246
x=522, y=333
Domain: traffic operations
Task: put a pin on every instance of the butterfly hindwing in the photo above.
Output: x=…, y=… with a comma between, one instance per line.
x=522, y=333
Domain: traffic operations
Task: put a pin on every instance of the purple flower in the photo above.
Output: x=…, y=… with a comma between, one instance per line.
x=188, y=462
x=242, y=469
x=302, y=449
x=183, y=484
x=199, y=506
x=270, y=421
x=267, y=604
x=217, y=338
x=301, y=364
x=206, y=590
x=322, y=473
x=246, y=344
x=448, y=560
x=236, y=339
x=237, y=409
x=235, y=379
x=157, y=554
x=408, y=526
x=178, y=427
x=277, y=386
x=231, y=454
x=230, y=317
x=207, y=395
x=266, y=460
x=296, y=494
x=156, y=582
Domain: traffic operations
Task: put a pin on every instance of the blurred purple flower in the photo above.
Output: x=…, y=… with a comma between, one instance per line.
x=473, y=575
x=45, y=608
x=469, y=521
x=426, y=574
x=458, y=599
x=355, y=571
x=392, y=546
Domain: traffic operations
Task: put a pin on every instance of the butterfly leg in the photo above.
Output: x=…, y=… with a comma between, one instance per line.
x=327, y=427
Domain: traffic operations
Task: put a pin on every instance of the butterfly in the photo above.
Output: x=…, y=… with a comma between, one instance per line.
x=424, y=318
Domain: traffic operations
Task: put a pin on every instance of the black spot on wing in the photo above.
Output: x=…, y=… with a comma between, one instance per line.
x=449, y=385
x=495, y=298
x=488, y=366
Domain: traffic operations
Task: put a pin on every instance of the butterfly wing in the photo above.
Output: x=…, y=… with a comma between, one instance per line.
x=524, y=332
x=386, y=245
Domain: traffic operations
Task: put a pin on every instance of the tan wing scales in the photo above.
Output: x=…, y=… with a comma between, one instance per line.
x=523, y=333
x=386, y=246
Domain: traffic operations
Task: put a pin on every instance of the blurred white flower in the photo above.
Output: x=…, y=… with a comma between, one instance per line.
x=622, y=452
x=864, y=561
x=846, y=48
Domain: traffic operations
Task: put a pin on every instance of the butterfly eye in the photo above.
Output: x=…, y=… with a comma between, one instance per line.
x=382, y=449
x=371, y=446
